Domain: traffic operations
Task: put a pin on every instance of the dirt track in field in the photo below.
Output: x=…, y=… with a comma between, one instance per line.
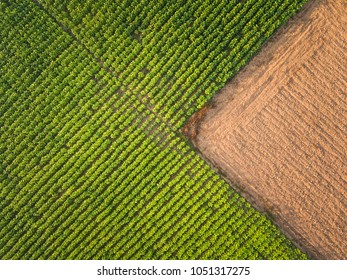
x=279, y=130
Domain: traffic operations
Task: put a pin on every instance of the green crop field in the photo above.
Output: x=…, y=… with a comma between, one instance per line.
x=93, y=96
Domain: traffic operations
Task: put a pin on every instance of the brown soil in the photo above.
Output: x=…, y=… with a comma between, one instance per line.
x=190, y=130
x=278, y=129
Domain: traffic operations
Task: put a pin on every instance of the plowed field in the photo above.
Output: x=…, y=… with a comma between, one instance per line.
x=279, y=129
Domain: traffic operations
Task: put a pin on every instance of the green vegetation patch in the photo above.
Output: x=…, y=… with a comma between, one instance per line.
x=93, y=97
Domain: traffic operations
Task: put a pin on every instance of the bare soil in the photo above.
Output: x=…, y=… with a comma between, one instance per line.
x=279, y=129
